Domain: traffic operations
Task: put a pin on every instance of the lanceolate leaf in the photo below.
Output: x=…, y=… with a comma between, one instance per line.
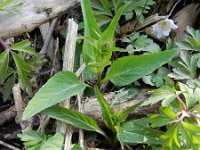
x=91, y=30
x=72, y=117
x=54, y=143
x=4, y=58
x=109, y=33
x=125, y=113
x=128, y=69
x=106, y=110
x=60, y=87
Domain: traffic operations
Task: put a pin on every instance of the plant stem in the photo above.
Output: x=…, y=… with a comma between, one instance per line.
x=170, y=13
x=4, y=44
x=182, y=103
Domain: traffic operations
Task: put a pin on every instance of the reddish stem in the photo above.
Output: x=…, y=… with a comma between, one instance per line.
x=4, y=44
x=182, y=103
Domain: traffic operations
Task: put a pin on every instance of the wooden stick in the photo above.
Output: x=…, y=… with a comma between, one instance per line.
x=45, y=31
x=7, y=115
x=8, y=145
x=19, y=105
x=68, y=64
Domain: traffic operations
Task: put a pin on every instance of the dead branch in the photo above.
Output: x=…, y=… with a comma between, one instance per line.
x=8, y=115
x=33, y=13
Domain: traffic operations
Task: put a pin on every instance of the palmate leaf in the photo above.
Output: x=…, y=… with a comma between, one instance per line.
x=128, y=69
x=54, y=143
x=4, y=59
x=23, y=71
x=23, y=46
x=73, y=117
x=60, y=87
x=186, y=69
x=133, y=132
x=140, y=7
x=166, y=94
x=192, y=41
x=32, y=139
x=7, y=87
x=171, y=138
x=191, y=94
x=140, y=43
x=166, y=117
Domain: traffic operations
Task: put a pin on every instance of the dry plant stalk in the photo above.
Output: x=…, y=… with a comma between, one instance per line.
x=68, y=65
x=19, y=105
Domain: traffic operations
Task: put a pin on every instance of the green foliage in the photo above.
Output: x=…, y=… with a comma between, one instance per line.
x=104, y=10
x=32, y=139
x=55, y=142
x=60, y=87
x=139, y=7
x=97, y=46
x=76, y=147
x=9, y=5
x=158, y=78
x=128, y=69
x=19, y=52
x=136, y=131
x=192, y=41
x=165, y=93
x=140, y=43
x=185, y=69
x=73, y=117
x=181, y=129
x=107, y=112
x=36, y=141
x=123, y=95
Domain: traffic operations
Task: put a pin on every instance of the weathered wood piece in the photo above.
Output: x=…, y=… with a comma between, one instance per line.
x=90, y=107
x=33, y=13
x=187, y=16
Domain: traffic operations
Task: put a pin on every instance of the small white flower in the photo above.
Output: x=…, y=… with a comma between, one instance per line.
x=164, y=27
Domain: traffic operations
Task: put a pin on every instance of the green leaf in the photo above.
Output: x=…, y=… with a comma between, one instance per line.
x=60, y=87
x=23, y=46
x=76, y=147
x=140, y=43
x=106, y=110
x=73, y=117
x=7, y=87
x=23, y=71
x=191, y=127
x=4, y=59
x=109, y=33
x=54, y=143
x=165, y=93
x=166, y=116
x=128, y=69
x=134, y=133
x=124, y=114
x=91, y=29
x=123, y=95
x=186, y=69
x=140, y=7
x=31, y=135
x=171, y=137
x=192, y=41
